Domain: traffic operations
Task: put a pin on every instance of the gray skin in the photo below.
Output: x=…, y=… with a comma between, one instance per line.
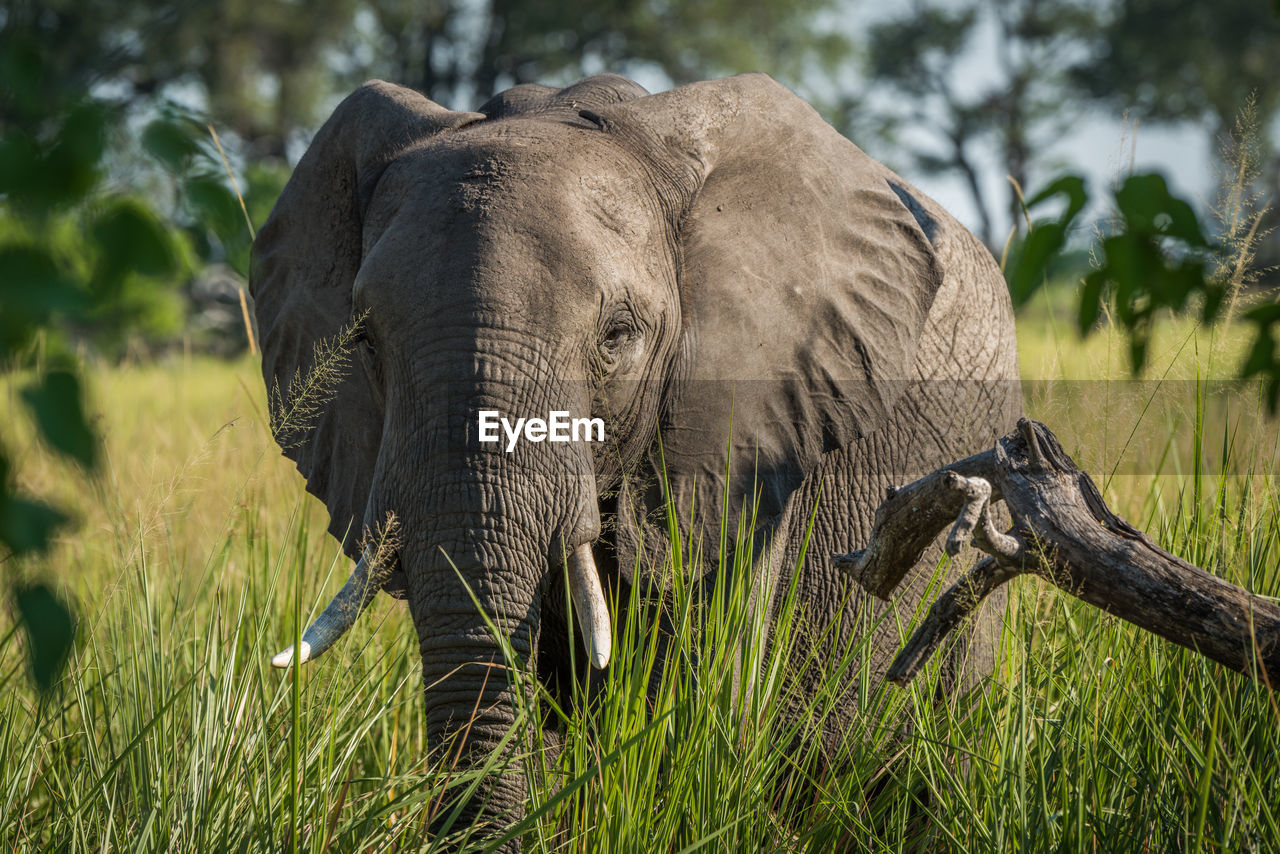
x=710, y=258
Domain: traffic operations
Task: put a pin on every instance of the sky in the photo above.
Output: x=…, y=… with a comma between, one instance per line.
x=1102, y=149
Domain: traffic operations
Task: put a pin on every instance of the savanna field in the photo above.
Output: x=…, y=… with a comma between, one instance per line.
x=198, y=554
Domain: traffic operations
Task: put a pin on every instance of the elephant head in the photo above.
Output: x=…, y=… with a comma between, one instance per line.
x=708, y=269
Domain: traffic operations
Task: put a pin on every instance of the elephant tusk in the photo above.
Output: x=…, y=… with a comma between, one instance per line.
x=588, y=601
x=339, y=615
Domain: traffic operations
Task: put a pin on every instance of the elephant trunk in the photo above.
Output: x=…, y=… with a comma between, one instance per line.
x=473, y=689
x=370, y=575
x=480, y=547
x=476, y=601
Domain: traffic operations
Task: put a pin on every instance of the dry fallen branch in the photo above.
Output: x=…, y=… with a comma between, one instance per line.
x=1063, y=532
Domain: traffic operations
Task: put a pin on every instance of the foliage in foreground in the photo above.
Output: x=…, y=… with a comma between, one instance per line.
x=170, y=732
x=84, y=265
x=71, y=257
x=1154, y=261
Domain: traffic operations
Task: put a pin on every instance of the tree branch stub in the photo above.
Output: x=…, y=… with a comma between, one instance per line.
x=908, y=521
x=1064, y=532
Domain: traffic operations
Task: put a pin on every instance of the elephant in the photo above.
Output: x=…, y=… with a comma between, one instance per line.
x=769, y=325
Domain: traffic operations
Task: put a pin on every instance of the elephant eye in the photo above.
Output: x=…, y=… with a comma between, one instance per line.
x=370, y=360
x=618, y=336
x=615, y=337
x=616, y=341
x=372, y=366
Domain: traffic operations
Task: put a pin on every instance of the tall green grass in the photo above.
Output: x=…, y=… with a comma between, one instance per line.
x=198, y=556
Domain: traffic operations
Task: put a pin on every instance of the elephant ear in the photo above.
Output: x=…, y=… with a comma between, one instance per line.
x=806, y=281
x=303, y=266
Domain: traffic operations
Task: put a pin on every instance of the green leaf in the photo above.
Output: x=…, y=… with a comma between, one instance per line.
x=22, y=68
x=1071, y=186
x=70, y=169
x=56, y=405
x=1123, y=268
x=1034, y=257
x=20, y=167
x=1183, y=223
x=1046, y=238
x=172, y=142
x=1139, y=337
x=41, y=174
x=216, y=206
x=1215, y=297
x=1091, y=301
x=131, y=239
x=1148, y=207
x=1262, y=355
x=33, y=287
x=1139, y=200
x=51, y=632
x=1266, y=313
x=27, y=526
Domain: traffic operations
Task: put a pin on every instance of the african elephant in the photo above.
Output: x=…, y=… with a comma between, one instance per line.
x=759, y=313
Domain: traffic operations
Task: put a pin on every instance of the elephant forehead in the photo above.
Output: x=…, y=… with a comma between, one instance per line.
x=538, y=173
x=502, y=216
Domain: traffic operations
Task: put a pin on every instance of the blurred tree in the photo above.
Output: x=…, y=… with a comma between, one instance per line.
x=1215, y=64
x=122, y=49
x=1169, y=60
x=265, y=71
x=926, y=59
x=262, y=68
x=260, y=71
x=266, y=65
x=459, y=54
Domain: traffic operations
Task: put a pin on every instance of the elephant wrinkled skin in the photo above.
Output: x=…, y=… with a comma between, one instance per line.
x=710, y=259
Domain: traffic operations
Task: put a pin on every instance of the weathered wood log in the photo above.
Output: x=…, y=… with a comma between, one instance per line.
x=1063, y=532
x=908, y=521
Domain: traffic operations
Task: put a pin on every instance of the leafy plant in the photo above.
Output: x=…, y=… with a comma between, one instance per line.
x=1157, y=258
x=216, y=217
x=75, y=260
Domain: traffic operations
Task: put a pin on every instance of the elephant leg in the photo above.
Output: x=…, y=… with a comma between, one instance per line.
x=840, y=622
